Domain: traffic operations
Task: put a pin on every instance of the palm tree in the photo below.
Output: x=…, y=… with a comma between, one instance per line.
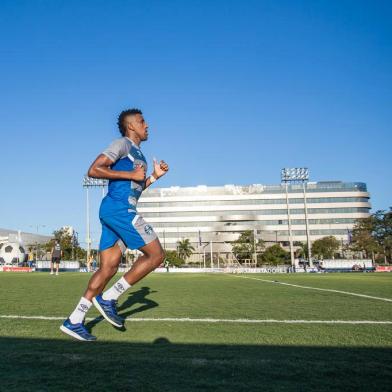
x=302, y=251
x=185, y=249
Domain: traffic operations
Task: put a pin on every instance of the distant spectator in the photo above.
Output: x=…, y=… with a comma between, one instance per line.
x=56, y=257
x=94, y=264
x=89, y=262
x=30, y=259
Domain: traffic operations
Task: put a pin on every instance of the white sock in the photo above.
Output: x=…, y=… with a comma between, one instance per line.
x=78, y=315
x=120, y=287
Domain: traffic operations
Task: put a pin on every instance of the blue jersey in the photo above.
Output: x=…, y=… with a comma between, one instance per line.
x=123, y=194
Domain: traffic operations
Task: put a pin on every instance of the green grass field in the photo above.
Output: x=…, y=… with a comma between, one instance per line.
x=161, y=350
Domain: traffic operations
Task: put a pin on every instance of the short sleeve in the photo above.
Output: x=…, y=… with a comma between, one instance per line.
x=117, y=150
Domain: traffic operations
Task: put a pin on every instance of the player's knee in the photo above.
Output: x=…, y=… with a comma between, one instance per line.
x=158, y=258
x=109, y=270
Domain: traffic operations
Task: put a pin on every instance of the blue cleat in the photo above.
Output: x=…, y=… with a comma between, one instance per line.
x=77, y=331
x=108, y=310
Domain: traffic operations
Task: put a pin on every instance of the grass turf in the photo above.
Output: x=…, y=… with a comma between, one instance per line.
x=183, y=356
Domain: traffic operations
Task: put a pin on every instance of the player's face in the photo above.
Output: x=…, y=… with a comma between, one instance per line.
x=139, y=126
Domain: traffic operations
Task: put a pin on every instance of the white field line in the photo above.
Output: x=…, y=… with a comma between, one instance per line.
x=210, y=320
x=316, y=288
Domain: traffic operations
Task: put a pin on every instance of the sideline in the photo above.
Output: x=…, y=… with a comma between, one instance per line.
x=210, y=320
x=315, y=288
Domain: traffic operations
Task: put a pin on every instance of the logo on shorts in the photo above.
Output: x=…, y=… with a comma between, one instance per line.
x=148, y=229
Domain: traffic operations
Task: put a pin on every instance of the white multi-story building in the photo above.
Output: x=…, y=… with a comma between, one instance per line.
x=206, y=214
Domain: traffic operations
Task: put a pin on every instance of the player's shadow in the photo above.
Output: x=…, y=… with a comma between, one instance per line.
x=134, y=298
x=137, y=297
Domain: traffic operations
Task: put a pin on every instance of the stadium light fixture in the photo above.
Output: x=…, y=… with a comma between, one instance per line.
x=89, y=182
x=296, y=175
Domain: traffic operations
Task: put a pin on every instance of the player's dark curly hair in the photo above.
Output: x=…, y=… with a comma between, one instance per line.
x=122, y=116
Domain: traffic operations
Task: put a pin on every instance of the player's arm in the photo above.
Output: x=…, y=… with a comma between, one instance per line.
x=100, y=168
x=160, y=169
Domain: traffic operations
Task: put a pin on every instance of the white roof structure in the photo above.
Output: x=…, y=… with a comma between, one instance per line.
x=27, y=238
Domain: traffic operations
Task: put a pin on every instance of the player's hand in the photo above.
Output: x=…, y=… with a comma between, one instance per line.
x=160, y=168
x=139, y=174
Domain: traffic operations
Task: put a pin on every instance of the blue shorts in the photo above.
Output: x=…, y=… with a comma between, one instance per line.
x=127, y=229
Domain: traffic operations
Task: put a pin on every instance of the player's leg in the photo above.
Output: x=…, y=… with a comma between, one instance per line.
x=57, y=265
x=153, y=256
x=51, y=266
x=110, y=260
x=137, y=234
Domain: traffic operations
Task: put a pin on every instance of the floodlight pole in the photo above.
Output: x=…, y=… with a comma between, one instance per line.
x=89, y=182
x=212, y=261
x=204, y=254
x=254, y=246
x=292, y=176
x=88, y=237
x=289, y=226
x=307, y=225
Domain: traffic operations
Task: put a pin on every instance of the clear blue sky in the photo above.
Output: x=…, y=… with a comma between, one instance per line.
x=233, y=92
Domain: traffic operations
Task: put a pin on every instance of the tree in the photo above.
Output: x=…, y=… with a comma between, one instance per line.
x=185, y=249
x=388, y=233
x=173, y=258
x=275, y=255
x=325, y=248
x=383, y=231
x=244, y=247
x=363, y=238
x=302, y=250
x=373, y=235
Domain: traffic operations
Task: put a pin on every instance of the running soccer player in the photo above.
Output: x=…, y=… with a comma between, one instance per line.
x=56, y=258
x=125, y=166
